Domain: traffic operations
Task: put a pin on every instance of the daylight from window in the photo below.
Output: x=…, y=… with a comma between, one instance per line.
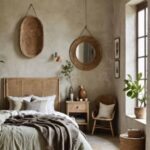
x=142, y=49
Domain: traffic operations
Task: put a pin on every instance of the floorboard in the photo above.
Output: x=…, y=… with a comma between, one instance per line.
x=103, y=142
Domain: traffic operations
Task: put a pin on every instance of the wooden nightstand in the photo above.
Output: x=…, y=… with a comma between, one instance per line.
x=80, y=111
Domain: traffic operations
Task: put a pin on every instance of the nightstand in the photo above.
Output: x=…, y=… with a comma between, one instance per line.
x=80, y=111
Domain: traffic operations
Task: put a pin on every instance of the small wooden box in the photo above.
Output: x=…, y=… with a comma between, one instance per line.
x=135, y=133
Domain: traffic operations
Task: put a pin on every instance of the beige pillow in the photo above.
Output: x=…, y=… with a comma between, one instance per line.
x=15, y=103
x=105, y=111
x=39, y=105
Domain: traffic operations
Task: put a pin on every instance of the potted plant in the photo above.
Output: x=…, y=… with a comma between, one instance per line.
x=66, y=72
x=134, y=90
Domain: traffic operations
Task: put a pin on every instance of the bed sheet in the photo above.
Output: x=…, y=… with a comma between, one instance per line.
x=28, y=138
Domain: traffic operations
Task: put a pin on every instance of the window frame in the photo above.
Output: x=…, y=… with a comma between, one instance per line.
x=140, y=7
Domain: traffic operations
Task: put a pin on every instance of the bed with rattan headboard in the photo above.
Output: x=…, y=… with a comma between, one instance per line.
x=38, y=131
x=32, y=86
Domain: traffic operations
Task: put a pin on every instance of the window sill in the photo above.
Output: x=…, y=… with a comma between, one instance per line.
x=143, y=121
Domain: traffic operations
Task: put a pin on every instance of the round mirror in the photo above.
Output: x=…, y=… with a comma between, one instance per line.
x=85, y=53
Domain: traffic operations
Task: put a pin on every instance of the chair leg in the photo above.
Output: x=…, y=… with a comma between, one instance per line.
x=94, y=125
x=111, y=127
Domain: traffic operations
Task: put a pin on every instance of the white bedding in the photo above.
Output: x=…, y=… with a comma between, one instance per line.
x=27, y=138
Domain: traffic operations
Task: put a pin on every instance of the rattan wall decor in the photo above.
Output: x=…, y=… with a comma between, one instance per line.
x=31, y=35
x=85, y=51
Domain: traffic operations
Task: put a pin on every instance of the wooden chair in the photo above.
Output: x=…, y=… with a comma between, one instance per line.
x=108, y=100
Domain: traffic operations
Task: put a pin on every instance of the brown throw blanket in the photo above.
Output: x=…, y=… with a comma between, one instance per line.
x=58, y=132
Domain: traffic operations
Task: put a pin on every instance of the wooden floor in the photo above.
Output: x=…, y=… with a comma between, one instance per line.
x=103, y=142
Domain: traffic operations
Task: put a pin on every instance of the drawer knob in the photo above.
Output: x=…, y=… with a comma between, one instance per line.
x=77, y=107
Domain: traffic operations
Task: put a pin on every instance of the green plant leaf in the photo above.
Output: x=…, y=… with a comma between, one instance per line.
x=139, y=77
x=126, y=89
x=126, y=81
x=67, y=69
x=129, y=76
x=134, y=88
x=129, y=84
x=129, y=93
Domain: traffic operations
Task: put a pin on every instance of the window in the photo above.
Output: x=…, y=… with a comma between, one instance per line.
x=142, y=40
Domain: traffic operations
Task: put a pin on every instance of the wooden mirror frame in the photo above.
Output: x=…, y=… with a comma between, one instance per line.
x=74, y=59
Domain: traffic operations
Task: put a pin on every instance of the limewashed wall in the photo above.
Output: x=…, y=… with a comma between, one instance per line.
x=62, y=22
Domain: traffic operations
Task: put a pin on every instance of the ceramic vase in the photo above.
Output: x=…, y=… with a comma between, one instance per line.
x=82, y=92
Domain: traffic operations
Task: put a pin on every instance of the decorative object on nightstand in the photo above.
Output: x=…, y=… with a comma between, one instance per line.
x=104, y=112
x=79, y=110
x=71, y=94
x=82, y=93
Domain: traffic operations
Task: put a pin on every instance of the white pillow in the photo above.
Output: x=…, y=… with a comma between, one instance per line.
x=105, y=111
x=50, y=102
x=15, y=103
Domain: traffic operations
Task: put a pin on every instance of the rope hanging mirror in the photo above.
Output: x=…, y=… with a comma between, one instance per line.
x=85, y=50
x=31, y=34
x=85, y=29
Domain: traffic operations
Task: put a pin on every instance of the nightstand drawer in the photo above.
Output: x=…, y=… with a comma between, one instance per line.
x=77, y=107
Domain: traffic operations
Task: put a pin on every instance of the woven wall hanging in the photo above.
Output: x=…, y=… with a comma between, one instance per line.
x=31, y=35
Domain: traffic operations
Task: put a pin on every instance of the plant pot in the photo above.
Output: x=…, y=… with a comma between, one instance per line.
x=140, y=112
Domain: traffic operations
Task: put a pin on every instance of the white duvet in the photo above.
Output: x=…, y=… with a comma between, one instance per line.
x=27, y=138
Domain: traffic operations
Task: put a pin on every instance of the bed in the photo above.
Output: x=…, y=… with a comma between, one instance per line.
x=26, y=134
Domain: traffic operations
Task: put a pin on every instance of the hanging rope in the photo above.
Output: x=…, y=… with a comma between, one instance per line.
x=31, y=6
x=85, y=29
x=86, y=20
x=85, y=9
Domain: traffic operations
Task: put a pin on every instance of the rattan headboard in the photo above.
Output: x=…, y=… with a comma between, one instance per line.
x=32, y=86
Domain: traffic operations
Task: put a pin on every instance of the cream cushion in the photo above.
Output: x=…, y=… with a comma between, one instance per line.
x=105, y=111
x=50, y=106
x=15, y=103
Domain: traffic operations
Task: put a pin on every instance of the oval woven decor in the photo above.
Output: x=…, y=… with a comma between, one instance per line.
x=31, y=36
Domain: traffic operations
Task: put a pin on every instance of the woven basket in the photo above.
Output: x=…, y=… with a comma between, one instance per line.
x=127, y=143
x=31, y=36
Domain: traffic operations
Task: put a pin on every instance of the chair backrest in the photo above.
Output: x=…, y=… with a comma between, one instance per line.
x=105, y=99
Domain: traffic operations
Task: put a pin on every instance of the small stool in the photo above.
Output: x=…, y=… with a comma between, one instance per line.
x=127, y=143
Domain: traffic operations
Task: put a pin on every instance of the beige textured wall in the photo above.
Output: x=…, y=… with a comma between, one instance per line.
x=62, y=22
x=119, y=25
